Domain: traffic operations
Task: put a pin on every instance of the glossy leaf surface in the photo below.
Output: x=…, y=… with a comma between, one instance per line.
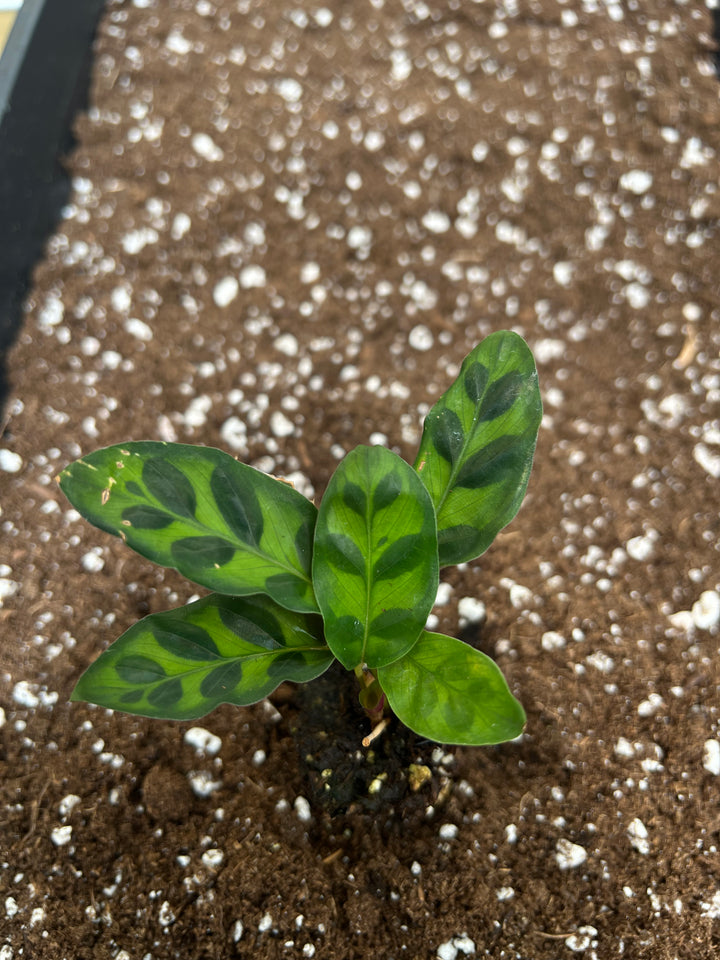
x=478, y=443
x=181, y=664
x=375, y=567
x=220, y=523
x=445, y=690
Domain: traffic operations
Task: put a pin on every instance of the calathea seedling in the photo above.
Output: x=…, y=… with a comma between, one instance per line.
x=296, y=587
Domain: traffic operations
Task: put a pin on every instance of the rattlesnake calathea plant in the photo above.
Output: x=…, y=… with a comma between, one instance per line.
x=296, y=587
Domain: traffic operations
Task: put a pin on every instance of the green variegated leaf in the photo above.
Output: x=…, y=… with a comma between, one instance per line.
x=181, y=664
x=220, y=523
x=445, y=690
x=478, y=443
x=375, y=566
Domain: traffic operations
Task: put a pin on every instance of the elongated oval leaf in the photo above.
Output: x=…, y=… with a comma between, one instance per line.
x=375, y=566
x=445, y=690
x=181, y=664
x=220, y=523
x=478, y=443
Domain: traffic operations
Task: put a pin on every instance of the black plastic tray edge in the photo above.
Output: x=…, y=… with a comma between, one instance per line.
x=44, y=71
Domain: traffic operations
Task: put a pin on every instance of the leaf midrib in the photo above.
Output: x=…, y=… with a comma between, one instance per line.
x=368, y=574
x=213, y=665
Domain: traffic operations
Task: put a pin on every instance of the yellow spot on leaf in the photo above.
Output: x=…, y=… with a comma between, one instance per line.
x=288, y=483
x=105, y=496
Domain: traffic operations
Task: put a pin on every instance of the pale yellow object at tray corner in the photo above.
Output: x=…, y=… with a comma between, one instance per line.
x=7, y=18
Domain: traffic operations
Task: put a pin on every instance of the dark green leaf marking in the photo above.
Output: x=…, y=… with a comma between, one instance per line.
x=375, y=566
x=475, y=381
x=165, y=696
x=169, y=486
x=385, y=625
x=146, y=517
x=183, y=638
x=478, y=444
x=183, y=663
x=240, y=508
x=257, y=624
x=462, y=535
x=446, y=431
x=402, y=556
x=291, y=664
x=501, y=458
x=207, y=551
x=221, y=523
x=130, y=697
x=500, y=396
x=355, y=498
x=222, y=679
x=344, y=554
x=387, y=491
x=138, y=670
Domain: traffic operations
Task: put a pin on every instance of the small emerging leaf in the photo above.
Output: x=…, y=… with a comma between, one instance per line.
x=375, y=568
x=478, y=443
x=220, y=523
x=181, y=664
x=447, y=691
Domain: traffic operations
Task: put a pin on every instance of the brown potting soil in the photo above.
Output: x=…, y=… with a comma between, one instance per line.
x=289, y=225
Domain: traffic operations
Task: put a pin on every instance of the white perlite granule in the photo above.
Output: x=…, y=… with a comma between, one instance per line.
x=448, y=831
x=203, y=741
x=202, y=783
x=706, y=610
x=711, y=908
x=10, y=461
x=225, y=291
x=638, y=836
x=636, y=181
x=552, y=640
x=280, y=425
x=711, y=757
x=569, y=855
x=471, y=610
x=206, y=147
x=455, y=946
x=61, y=836
x=212, y=859
x=420, y=338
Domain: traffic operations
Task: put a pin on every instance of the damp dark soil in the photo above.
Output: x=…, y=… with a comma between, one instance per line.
x=288, y=225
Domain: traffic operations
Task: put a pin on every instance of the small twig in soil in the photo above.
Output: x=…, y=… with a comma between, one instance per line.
x=332, y=857
x=34, y=812
x=689, y=349
x=375, y=732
